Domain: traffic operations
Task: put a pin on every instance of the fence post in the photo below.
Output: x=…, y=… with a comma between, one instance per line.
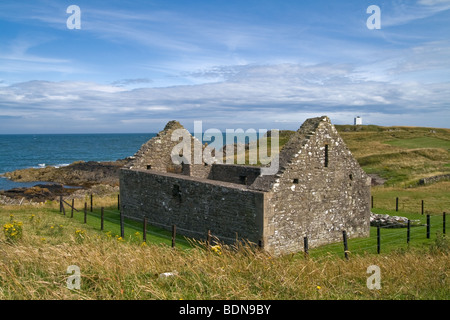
x=208, y=238
x=85, y=212
x=378, y=240
x=443, y=223
x=344, y=234
x=118, y=202
x=428, y=226
x=64, y=209
x=422, y=207
x=305, y=246
x=101, y=219
x=91, y=201
x=371, y=201
x=122, y=229
x=144, y=231
x=396, y=204
x=408, y=232
x=60, y=204
x=174, y=234
x=73, y=204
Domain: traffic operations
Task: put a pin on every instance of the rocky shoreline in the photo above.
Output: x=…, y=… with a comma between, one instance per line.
x=82, y=177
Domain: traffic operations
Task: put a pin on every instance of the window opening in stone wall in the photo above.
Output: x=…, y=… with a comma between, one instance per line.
x=295, y=181
x=326, y=156
x=350, y=176
x=149, y=166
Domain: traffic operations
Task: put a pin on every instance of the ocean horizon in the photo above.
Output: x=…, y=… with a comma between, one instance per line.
x=23, y=151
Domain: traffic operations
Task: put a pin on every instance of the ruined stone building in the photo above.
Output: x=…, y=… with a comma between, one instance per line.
x=319, y=191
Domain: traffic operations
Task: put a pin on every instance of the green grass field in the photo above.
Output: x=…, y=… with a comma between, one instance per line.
x=420, y=142
x=35, y=266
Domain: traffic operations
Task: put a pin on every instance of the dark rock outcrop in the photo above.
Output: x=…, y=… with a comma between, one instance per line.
x=82, y=174
x=38, y=193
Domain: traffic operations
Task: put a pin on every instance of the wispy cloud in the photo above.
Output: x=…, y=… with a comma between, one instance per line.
x=403, y=12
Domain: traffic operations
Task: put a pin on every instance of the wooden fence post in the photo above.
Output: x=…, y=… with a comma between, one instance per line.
x=422, y=207
x=85, y=212
x=344, y=235
x=396, y=204
x=428, y=226
x=73, y=204
x=208, y=238
x=378, y=240
x=305, y=246
x=443, y=223
x=101, y=218
x=371, y=201
x=118, y=202
x=64, y=209
x=92, y=201
x=408, y=232
x=122, y=229
x=174, y=235
x=60, y=204
x=144, y=231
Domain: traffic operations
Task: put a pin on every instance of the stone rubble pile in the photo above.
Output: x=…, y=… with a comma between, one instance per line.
x=387, y=221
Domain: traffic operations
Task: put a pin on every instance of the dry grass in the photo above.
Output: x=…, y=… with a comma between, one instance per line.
x=35, y=268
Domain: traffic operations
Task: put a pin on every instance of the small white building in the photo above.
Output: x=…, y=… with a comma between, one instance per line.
x=358, y=121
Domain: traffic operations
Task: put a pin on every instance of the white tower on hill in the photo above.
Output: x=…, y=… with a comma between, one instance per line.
x=358, y=121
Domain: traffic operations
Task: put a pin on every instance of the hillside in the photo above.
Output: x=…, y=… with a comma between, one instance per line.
x=401, y=155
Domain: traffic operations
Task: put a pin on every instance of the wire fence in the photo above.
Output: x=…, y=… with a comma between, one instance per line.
x=382, y=238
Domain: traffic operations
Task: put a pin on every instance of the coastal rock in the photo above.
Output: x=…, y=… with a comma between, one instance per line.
x=38, y=193
x=80, y=173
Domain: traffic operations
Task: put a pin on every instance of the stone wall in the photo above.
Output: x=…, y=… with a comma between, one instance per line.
x=318, y=197
x=193, y=205
x=434, y=179
x=156, y=154
x=239, y=174
x=202, y=171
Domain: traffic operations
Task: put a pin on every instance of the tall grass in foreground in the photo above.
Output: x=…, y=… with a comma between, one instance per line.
x=35, y=268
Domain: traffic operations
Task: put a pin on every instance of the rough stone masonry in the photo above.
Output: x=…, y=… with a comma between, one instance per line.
x=319, y=191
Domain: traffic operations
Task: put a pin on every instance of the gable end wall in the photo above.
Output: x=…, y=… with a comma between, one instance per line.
x=309, y=199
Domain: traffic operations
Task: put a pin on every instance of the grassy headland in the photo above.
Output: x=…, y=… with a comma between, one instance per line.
x=34, y=265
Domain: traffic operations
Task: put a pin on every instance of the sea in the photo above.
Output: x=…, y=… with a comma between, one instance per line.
x=20, y=151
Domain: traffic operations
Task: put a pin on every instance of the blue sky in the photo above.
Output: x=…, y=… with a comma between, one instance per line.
x=135, y=65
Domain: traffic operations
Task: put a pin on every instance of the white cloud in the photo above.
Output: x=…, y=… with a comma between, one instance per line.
x=254, y=96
